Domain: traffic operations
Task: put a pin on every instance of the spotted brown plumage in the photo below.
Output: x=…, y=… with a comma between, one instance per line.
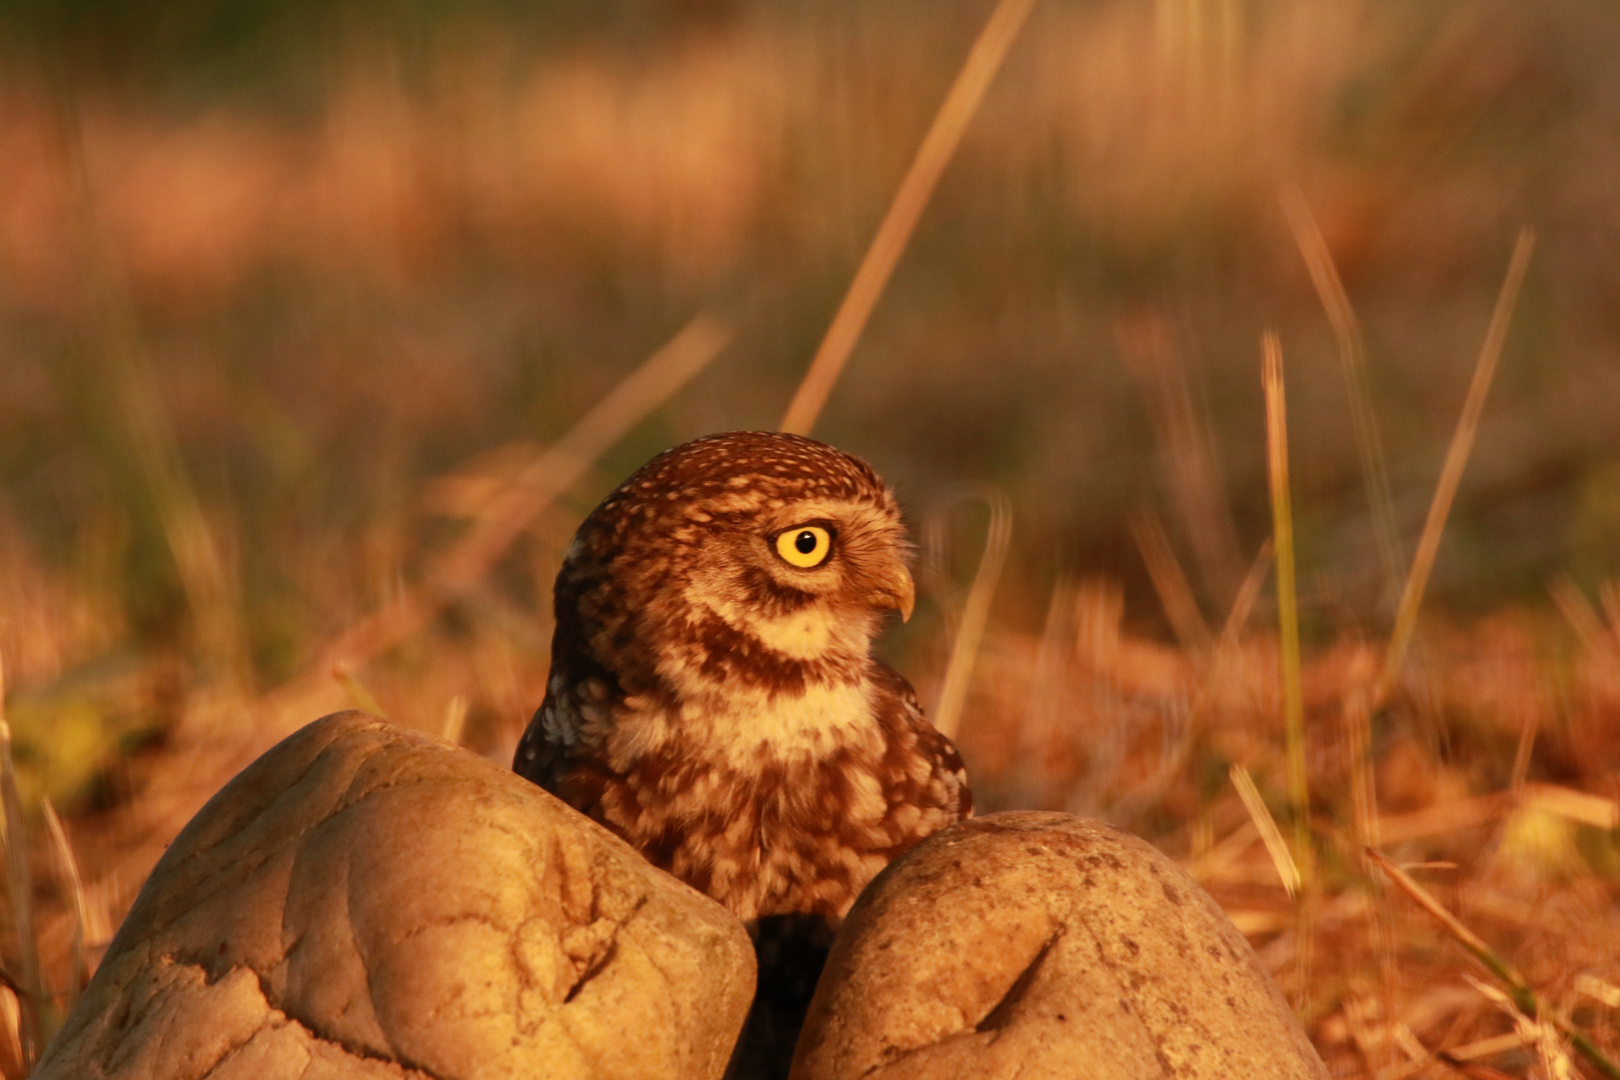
x=717, y=706
x=713, y=698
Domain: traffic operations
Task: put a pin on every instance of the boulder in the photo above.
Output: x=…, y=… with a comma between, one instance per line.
x=368, y=902
x=1042, y=945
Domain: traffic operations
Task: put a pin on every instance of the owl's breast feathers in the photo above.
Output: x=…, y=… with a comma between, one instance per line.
x=766, y=827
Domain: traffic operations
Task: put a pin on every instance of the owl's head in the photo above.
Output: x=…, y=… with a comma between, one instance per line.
x=751, y=556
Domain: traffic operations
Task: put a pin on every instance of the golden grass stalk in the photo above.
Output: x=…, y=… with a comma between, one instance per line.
x=1541, y=1035
x=1581, y=807
x=1353, y=363
x=1219, y=657
x=570, y=457
x=11, y=1053
x=1598, y=989
x=1462, y=441
x=112, y=334
x=1186, y=447
x=916, y=188
x=975, y=613
x=1523, y=997
x=1270, y=835
x=1454, y=926
x=1248, y=595
x=1496, y=1044
x=1609, y=597
x=1170, y=582
x=455, y=719
x=208, y=583
x=1048, y=685
x=75, y=885
x=1363, y=790
x=1577, y=611
x=33, y=1005
x=1522, y=752
x=528, y=496
x=358, y=692
x=1282, y=526
x=205, y=579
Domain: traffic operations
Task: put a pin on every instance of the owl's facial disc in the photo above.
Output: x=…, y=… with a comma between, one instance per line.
x=808, y=580
x=881, y=579
x=848, y=556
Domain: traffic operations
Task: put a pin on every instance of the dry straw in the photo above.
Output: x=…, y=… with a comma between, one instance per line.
x=70, y=870
x=516, y=506
x=1462, y=441
x=936, y=151
x=113, y=336
x=1523, y=997
x=1353, y=362
x=1287, y=869
x=1282, y=524
x=975, y=613
x=1170, y=582
x=33, y=1028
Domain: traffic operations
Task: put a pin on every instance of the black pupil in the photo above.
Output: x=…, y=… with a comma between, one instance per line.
x=805, y=542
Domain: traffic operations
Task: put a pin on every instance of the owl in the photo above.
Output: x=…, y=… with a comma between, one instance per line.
x=713, y=698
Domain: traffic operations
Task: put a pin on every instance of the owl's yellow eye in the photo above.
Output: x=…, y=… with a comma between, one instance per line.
x=805, y=546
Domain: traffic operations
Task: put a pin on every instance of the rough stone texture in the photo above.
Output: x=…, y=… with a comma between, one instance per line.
x=1042, y=945
x=367, y=902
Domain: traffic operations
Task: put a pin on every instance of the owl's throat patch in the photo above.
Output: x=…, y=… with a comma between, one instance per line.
x=806, y=634
x=813, y=629
x=749, y=731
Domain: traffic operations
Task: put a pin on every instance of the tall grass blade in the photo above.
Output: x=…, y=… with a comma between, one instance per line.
x=1609, y=597
x=80, y=974
x=1226, y=649
x=32, y=1002
x=658, y=379
x=1170, y=582
x=1248, y=595
x=1462, y=441
x=1518, y=988
x=113, y=336
x=526, y=498
x=1582, y=617
x=1282, y=529
x=938, y=146
x=975, y=613
x=1048, y=690
x=1187, y=449
x=358, y=692
x=1363, y=786
x=1353, y=363
x=1281, y=858
x=455, y=719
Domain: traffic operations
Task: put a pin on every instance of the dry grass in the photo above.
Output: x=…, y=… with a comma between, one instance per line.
x=293, y=409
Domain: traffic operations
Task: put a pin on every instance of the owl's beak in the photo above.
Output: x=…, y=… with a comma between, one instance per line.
x=899, y=593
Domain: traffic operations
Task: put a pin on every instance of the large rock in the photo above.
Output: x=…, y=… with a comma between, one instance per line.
x=365, y=901
x=1041, y=945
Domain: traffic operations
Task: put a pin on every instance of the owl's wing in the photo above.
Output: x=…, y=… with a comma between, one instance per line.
x=945, y=783
x=544, y=751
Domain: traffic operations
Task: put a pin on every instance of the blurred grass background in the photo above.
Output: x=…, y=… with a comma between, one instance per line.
x=287, y=289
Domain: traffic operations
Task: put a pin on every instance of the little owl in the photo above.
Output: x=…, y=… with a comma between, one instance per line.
x=713, y=698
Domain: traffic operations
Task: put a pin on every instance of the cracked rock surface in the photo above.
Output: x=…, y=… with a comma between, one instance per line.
x=367, y=902
x=1041, y=945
